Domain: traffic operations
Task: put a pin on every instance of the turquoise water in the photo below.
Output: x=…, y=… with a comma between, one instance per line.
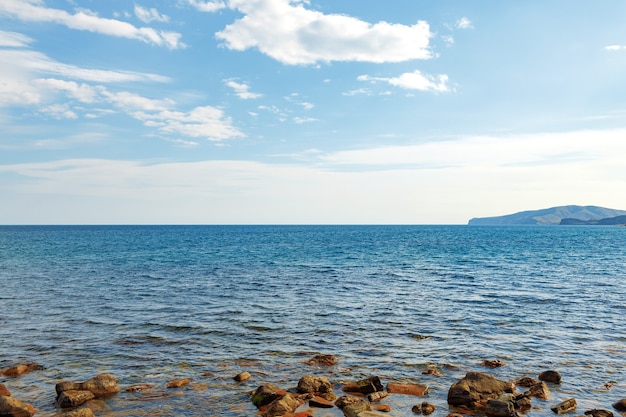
x=154, y=303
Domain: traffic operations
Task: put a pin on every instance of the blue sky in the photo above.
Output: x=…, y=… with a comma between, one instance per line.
x=296, y=111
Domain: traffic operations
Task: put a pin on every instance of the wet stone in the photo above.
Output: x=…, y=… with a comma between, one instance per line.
x=566, y=406
x=314, y=384
x=550, y=376
x=179, y=383
x=418, y=390
x=496, y=363
x=4, y=392
x=620, y=405
x=323, y=360
x=599, y=413
x=12, y=407
x=74, y=398
x=242, y=376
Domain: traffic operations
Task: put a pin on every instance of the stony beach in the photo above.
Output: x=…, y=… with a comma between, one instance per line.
x=478, y=393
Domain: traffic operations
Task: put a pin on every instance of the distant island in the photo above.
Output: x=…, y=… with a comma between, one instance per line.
x=562, y=215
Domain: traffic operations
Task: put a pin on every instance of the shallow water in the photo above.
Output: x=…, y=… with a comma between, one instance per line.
x=154, y=303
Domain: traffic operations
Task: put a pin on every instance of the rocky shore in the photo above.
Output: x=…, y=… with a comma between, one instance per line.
x=477, y=393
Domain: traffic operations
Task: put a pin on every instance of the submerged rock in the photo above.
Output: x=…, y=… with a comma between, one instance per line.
x=281, y=406
x=425, y=408
x=242, y=376
x=265, y=394
x=4, y=392
x=496, y=363
x=179, y=383
x=539, y=390
x=323, y=360
x=526, y=382
x=17, y=370
x=12, y=407
x=474, y=390
x=102, y=385
x=565, y=406
x=73, y=398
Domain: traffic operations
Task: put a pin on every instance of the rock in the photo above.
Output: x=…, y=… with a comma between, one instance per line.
x=73, y=398
x=371, y=414
x=425, y=408
x=474, y=390
x=493, y=363
x=499, y=408
x=242, y=376
x=355, y=409
x=179, y=383
x=526, y=382
x=314, y=384
x=281, y=406
x=377, y=396
x=381, y=407
x=419, y=390
x=620, y=405
x=83, y=412
x=432, y=371
x=102, y=385
x=138, y=387
x=550, y=376
x=346, y=400
x=265, y=394
x=12, y=407
x=320, y=402
x=17, y=370
x=522, y=402
x=4, y=392
x=539, y=390
x=565, y=406
x=364, y=386
x=599, y=413
x=322, y=360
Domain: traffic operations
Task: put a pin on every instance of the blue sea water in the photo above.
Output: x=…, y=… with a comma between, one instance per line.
x=154, y=303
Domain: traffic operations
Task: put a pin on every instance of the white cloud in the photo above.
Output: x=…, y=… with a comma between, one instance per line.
x=413, y=81
x=464, y=23
x=301, y=120
x=288, y=32
x=207, y=6
x=59, y=111
x=82, y=92
x=34, y=11
x=150, y=15
x=242, y=90
x=13, y=39
x=615, y=47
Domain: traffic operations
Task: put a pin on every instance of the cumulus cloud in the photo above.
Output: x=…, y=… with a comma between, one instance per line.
x=242, y=90
x=292, y=34
x=150, y=15
x=464, y=23
x=35, y=11
x=413, y=81
x=207, y=6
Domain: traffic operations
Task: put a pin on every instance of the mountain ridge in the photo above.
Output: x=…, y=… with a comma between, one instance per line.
x=549, y=216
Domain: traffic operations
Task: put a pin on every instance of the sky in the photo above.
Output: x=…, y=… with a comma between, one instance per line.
x=308, y=111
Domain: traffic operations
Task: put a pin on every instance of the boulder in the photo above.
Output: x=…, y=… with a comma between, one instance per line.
x=322, y=360
x=102, y=385
x=550, y=376
x=474, y=390
x=565, y=406
x=281, y=406
x=364, y=386
x=522, y=402
x=500, y=408
x=355, y=409
x=83, y=412
x=620, y=405
x=599, y=413
x=242, y=376
x=73, y=398
x=419, y=390
x=24, y=368
x=539, y=390
x=346, y=400
x=4, y=392
x=314, y=384
x=12, y=407
x=526, y=382
x=265, y=394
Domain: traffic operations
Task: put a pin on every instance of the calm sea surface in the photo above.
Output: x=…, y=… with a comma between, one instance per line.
x=153, y=303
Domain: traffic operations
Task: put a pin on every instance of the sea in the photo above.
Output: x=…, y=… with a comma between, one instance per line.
x=151, y=304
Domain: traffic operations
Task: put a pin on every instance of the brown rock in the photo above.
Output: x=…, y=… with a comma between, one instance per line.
x=419, y=390
x=565, y=406
x=320, y=402
x=242, y=376
x=364, y=386
x=314, y=384
x=377, y=396
x=432, y=371
x=74, y=398
x=346, y=400
x=371, y=413
x=83, y=412
x=355, y=409
x=522, y=402
x=138, y=387
x=474, y=390
x=101, y=385
x=526, y=382
x=499, y=408
x=17, y=370
x=265, y=394
x=385, y=408
x=4, y=392
x=599, y=413
x=539, y=390
x=496, y=363
x=620, y=405
x=550, y=376
x=322, y=360
x=12, y=407
x=281, y=406
x=425, y=408
x=179, y=383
